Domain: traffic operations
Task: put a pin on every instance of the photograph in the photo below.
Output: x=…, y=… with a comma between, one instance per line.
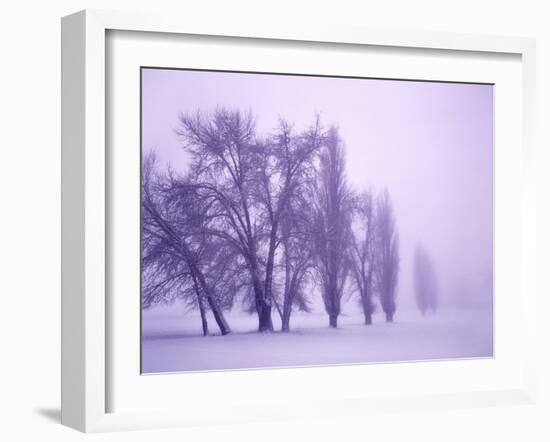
x=301, y=220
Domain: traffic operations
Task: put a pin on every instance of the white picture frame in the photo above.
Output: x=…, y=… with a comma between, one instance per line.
x=86, y=202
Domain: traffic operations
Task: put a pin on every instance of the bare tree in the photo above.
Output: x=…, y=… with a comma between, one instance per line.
x=425, y=281
x=362, y=252
x=247, y=184
x=224, y=160
x=387, y=252
x=286, y=175
x=331, y=224
x=172, y=246
x=297, y=258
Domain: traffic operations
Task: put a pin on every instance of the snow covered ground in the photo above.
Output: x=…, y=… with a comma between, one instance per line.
x=173, y=342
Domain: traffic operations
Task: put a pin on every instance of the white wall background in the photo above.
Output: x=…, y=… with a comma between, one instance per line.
x=30, y=217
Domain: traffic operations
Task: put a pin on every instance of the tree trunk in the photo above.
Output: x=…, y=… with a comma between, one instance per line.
x=367, y=308
x=212, y=303
x=263, y=304
x=368, y=318
x=263, y=307
x=285, y=323
x=287, y=309
x=333, y=307
x=268, y=282
x=200, y=302
x=218, y=316
x=287, y=298
x=265, y=324
x=203, y=315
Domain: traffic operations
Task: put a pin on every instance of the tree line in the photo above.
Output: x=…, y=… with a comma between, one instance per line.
x=264, y=220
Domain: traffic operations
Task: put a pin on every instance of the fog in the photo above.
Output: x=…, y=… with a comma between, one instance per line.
x=430, y=144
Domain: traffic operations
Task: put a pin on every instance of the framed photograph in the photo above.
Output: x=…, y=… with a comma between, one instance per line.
x=273, y=222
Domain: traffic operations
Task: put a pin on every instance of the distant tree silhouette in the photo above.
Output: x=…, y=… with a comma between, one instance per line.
x=363, y=252
x=387, y=251
x=425, y=280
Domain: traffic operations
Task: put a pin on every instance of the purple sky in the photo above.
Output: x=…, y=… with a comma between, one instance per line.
x=431, y=144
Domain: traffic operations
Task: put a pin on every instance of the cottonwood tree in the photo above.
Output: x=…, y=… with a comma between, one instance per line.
x=362, y=251
x=387, y=254
x=247, y=184
x=332, y=224
x=165, y=275
x=296, y=258
x=174, y=247
x=425, y=280
x=288, y=164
